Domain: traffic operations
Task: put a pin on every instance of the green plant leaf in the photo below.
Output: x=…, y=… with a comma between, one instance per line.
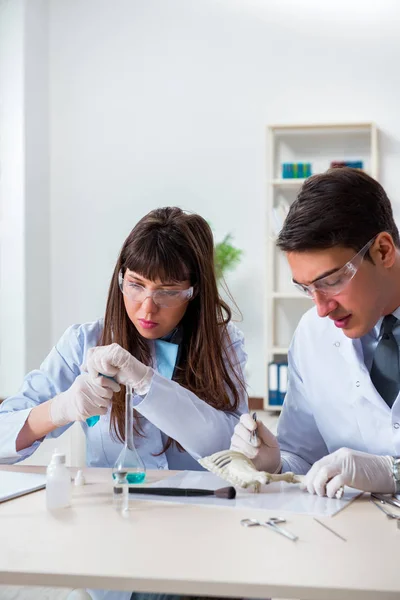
x=226, y=256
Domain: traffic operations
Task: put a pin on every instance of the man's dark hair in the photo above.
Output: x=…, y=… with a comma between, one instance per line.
x=342, y=207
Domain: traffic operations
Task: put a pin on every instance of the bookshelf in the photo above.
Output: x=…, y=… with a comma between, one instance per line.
x=318, y=144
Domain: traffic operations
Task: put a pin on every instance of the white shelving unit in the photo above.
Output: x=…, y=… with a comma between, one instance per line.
x=318, y=144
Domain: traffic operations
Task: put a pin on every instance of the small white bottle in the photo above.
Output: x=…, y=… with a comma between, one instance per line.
x=58, y=483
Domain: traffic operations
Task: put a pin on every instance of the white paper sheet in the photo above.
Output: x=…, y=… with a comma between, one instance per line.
x=278, y=497
x=14, y=484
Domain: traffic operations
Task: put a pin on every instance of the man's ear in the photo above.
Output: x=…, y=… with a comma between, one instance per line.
x=383, y=250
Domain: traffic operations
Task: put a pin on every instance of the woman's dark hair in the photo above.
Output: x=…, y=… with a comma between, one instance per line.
x=342, y=207
x=175, y=246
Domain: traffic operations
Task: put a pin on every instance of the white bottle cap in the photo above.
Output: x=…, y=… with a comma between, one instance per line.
x=59, y=459
x=55, y=451
x=79, y=478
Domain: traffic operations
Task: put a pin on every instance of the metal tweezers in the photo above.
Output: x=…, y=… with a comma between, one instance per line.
x=386, y=499
x=253, y=434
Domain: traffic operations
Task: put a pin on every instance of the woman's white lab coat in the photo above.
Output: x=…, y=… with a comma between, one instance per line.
x=167, y=410
x=331, y=402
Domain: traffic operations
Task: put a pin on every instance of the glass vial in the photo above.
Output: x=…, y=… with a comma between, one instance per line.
x=129, y=467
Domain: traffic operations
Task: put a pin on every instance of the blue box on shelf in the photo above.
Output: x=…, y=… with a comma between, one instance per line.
x=296, y=170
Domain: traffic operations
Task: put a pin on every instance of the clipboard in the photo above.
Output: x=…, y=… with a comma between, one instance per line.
x=15, y=483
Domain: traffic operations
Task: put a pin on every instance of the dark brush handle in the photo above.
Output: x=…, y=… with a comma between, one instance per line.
x=155, y=491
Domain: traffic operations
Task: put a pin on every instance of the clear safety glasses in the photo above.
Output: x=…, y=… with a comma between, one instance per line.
x=333, y=284
x=163, y=298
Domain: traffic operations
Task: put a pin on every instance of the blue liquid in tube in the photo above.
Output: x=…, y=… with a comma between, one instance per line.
x=91, y=421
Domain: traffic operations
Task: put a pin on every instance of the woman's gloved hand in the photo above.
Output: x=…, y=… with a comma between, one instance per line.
x=85, y=398
x=117, y=362
x=366, y=472
x=264, y=451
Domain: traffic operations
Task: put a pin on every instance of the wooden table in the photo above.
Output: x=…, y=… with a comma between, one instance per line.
x=186, y=549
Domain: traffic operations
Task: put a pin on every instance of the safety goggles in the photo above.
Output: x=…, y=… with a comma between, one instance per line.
x=162, y=298
x=333, y=284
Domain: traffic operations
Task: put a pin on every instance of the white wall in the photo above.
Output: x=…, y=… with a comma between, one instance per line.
x=12, y=180
x=24, y=197
x=37, y=183
x=155, y=103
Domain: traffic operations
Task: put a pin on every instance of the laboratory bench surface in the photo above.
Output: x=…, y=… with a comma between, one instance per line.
x=194, y=550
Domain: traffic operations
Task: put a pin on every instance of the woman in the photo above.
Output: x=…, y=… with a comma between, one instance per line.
x=165, y=329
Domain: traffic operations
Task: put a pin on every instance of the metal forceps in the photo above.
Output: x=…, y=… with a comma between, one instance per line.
x=388, y=513
x=272, y=523
x=253, y=434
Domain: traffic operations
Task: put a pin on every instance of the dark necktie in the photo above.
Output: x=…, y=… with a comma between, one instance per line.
x=385, y=374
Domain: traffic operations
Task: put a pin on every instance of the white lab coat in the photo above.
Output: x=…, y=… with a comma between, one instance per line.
x=331, y=402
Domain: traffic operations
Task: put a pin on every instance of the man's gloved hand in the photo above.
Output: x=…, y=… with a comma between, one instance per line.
x=366, y=472
x=264, y=451
x=117, y=362
x=85, y=398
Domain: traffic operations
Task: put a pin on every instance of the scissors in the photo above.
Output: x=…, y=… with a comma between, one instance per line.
x=272, y=523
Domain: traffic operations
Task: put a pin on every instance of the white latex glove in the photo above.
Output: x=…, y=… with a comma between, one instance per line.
x=85, y=398
x=264, y=451
x=366, y=472
x=117, y=362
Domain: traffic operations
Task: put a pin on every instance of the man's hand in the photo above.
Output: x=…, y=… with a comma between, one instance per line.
x=264, y=451
x=366, y=472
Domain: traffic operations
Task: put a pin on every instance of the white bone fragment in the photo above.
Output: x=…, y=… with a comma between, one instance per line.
x=239, y=470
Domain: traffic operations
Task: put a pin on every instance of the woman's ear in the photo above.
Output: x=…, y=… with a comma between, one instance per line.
x=383, y=251
x=195, y=291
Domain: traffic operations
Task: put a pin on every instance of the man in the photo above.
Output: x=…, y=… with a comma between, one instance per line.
x=340, y=422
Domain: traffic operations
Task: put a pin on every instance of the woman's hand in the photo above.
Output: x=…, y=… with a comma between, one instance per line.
x=85, y=398
x=117, y=362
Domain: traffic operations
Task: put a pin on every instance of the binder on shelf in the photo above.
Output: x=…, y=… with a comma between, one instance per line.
x=282, y=378
x=273, y=385
x=277, y=380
